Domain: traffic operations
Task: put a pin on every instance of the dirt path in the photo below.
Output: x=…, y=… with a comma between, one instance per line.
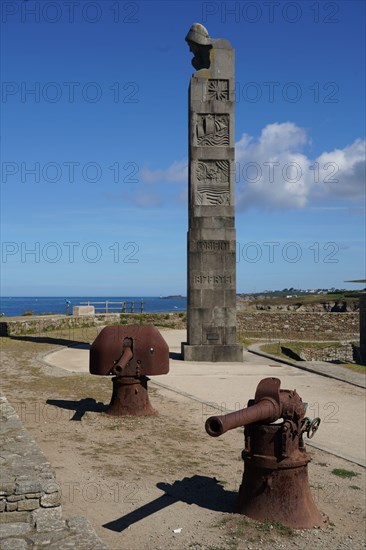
x=139, y=479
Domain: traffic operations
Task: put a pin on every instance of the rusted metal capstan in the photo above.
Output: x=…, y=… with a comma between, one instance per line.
x=130, y=353
x=275, y=482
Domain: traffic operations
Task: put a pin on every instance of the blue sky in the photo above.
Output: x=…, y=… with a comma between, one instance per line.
x=94, y=161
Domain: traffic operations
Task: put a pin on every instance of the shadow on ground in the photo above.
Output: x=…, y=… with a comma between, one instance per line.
x=53, y=340
x=175, y=355
x=203, y=491
x=80, y=407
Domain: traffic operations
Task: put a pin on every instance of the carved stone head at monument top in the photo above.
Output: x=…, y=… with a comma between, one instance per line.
x=202, y=46
x=198, y=34
x=199, y=44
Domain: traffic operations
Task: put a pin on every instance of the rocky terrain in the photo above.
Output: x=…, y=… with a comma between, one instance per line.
x=249, y=303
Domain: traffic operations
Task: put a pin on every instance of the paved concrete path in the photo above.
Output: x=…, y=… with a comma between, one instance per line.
x=222, y=387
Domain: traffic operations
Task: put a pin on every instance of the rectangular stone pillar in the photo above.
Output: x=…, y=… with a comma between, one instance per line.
x=211, y=315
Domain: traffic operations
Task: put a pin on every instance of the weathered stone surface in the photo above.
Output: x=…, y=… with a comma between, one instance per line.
x=44, y=539
x=13, y=529
x=213, y=353
x=14, y=517
x=211, y=315
x=51, y=486
x=48, y=519
x=28, y=504
x=50, y=500
x=28, y=486
x=13, y=544
x=7, y=487
x=33, y=495
x=86, y=535
x=11, y=506
x=15, y=498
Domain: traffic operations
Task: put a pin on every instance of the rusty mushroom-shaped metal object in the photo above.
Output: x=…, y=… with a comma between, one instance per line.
x=275, y=482
x=129, y=353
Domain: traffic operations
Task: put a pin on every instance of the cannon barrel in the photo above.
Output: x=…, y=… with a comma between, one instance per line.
x=267, y=410
x=125, y=358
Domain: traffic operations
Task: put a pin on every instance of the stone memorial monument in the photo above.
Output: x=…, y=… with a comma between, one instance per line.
x=211, y=315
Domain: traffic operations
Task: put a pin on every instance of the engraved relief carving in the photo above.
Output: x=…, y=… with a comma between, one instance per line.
x=218, y=89
x=213, y=182
x=212, y=130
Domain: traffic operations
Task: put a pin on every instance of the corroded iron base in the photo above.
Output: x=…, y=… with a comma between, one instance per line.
x=279, y=495
x=130, y=397
x=275, y=483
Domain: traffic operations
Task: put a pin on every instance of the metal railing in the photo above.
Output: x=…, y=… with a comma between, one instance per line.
x=116, y=307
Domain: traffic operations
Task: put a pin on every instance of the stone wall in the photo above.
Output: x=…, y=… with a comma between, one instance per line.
x=30, y=497
x=42, y=324
x=27, y=480
x=285, y=325
x=249, y=303
x=250, y=324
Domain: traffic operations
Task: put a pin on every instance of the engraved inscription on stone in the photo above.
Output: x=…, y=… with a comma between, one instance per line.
x=212, y=279
x=213, y=245
x=213, y=182
x=218, y=89
x=212, y=130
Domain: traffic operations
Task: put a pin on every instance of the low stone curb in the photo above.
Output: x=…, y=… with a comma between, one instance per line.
x=30, y=497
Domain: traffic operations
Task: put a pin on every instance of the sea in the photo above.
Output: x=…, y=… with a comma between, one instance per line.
x=29, y=305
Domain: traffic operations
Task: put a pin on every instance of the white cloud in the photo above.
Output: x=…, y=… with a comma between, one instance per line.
x=349, y=179
x=273, y=172
x=176, y=172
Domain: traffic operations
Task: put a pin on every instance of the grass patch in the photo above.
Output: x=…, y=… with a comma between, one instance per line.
x=268, y=526
x=341, y=472
x=224, y=521
x=274, y=349
x=246, y=342
x=241, y=527
x=355, y=367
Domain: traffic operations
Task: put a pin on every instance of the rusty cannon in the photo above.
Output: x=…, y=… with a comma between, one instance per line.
x=130, y=354
x=275, y=482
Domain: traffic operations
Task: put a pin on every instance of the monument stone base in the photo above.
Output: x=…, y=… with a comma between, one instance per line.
x=213, y=353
